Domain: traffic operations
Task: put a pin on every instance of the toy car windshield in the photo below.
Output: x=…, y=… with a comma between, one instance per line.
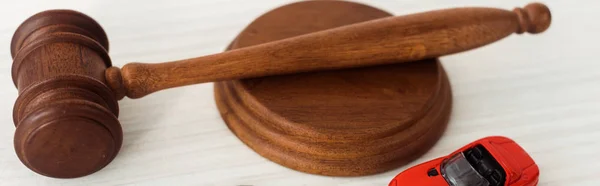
x=473, y=167
x=458, y=172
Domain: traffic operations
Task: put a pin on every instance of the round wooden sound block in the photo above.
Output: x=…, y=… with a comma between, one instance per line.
x=340, y=123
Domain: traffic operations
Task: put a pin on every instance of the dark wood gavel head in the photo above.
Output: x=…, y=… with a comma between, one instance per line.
x=66, y=115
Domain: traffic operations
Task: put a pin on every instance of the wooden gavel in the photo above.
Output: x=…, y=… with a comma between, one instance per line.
x=66, y=112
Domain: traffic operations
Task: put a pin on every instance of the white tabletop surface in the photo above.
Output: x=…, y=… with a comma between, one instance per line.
x=543, y=91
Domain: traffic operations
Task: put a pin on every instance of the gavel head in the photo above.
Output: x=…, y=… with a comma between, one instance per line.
x=66, y=115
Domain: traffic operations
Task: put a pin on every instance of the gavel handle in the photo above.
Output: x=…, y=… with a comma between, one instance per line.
x=382, y=41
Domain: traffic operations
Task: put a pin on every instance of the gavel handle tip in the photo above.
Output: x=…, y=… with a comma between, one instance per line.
x=533, y=18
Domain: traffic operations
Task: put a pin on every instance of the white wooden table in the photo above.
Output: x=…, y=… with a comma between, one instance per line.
x=543, y=91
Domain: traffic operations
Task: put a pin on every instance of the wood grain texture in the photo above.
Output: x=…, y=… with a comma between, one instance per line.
x=541, y=91
x=381, y=41
x=66, y=117
x=338, y=123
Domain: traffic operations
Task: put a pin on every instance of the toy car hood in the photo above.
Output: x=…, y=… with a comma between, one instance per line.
x=418, y=175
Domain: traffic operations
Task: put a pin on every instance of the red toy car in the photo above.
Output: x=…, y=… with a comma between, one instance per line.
x=491, y=161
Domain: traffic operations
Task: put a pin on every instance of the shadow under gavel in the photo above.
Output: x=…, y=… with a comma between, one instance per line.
x=66, y=112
